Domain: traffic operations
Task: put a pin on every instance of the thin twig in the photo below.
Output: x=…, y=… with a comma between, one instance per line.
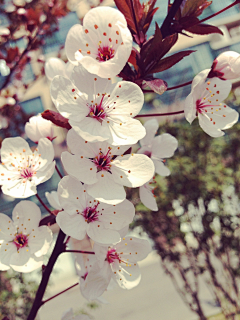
x=58, y=294
x=43, y=204
x=159, y=114
x=79, y=251
x=220, y=11
x=59, y=173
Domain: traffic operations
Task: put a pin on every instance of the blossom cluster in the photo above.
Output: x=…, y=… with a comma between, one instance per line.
x=90, y=200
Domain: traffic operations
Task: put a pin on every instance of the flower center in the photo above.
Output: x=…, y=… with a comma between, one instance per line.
x=103, y=161
x=21, y=240
x=105, y=53
x=90, y=214
x=84, y=276
x=112, y=255
x=97, y=111
x=200, y=105
x=27, y=173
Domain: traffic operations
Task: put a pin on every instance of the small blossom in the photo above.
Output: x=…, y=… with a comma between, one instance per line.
x=23, y=243
x=38, y=128
x=57, y=67
x=226, y=66
x=158, y=148
x=103, y=44
x=97, y=109
x=82, y=214
x=21, y=169
x=205, y=101
x=118, y=262
x=104, y=169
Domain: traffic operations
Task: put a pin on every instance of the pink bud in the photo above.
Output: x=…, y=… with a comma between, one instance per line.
x=157, y=85
x=226, y=66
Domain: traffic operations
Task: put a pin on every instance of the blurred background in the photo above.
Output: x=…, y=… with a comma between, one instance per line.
x=194, y=270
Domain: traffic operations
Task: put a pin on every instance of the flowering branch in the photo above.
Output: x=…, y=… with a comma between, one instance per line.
x=58, y=294
x=58, y=249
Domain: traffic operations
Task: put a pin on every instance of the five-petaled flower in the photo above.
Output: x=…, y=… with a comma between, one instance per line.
x=103, y=44
x=21, y=169
x=97, y=109
x=117, y=262
x=82, y=214
x=105, y=169
x=205, y=101
x=23, y=242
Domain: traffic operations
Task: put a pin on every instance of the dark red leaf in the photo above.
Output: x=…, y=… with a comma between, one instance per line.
x=56, y=118
x=194, y=7
x=168, y=62
x=203, y=28
x=125, y=7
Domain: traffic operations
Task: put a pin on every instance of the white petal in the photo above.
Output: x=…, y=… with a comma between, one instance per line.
x=26, y=216
x=126, y=134
x=12, y=147
x=164, y=146
x=98, y=233
x=63, y=98
x=97, y=281
x=132, y=170
x=119, y=215
x=147, y=198
x=80, y=168
x=106, y=190
x=160, y=168
x=151, y=127
x=129, y=277
x=52, y=198
x=7, y=249
x=18, y=263
x=136, y=249
x=72, y=195
x=40, y=240
x=7, y=228
x=54, y=67
x=74, y=225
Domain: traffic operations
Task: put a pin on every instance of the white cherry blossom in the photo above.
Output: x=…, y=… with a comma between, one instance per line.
x=147, y=197
x=23, y=242
x=117, y=262
x=158, y=148
x=205, y=101
x=97, y=109
x=103, y=44
x=38, y=128
x=226, y=66
x=82, y=214
x=57, y=67
x=104, y=169
x=22, y=169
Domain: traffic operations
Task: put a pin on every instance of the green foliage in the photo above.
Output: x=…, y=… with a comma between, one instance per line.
x=202, y=167
x=16, y=295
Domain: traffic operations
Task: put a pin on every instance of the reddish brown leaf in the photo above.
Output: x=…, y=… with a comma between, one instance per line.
x=203, y=28
x=168, y=62
x=194, y=7
x=56, y=118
